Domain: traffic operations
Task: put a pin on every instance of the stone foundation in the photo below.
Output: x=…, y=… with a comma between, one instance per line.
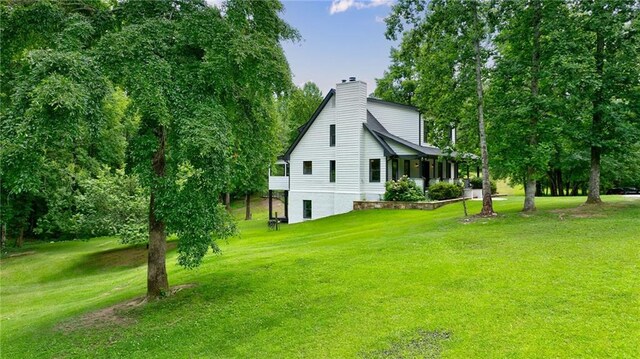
x=363, y=205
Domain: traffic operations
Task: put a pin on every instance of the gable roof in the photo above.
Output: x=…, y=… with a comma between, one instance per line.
x=373, y=99
x=374, y=126
x=304, y=128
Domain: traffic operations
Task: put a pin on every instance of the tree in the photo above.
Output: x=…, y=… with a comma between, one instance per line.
x=58, y=123
x=612, y=37
x=398, y=83
x=450, y=38
x=535, y=92
x=296, y=108
x=185, y=65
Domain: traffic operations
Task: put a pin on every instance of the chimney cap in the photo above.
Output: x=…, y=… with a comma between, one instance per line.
x=352, y=78
x=343, y=80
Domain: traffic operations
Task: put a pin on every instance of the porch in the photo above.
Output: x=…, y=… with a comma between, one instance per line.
x=279, y=189
x=424, y=171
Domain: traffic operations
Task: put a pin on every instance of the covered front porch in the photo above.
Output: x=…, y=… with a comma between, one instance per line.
x=424, y=171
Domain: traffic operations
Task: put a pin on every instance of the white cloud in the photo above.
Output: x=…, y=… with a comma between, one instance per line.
x=344, y=5
x=380, y=19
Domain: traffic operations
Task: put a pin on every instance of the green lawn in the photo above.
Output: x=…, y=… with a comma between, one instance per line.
x=564, y=282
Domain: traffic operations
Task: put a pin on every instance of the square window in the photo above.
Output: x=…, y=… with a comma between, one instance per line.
x=307, y=168
x=306, y=208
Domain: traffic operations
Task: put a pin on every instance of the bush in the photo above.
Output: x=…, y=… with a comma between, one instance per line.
x=403, y=189
x=476, y=183
x=444, y=190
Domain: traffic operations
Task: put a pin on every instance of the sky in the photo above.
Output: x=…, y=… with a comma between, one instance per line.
x=340, y=39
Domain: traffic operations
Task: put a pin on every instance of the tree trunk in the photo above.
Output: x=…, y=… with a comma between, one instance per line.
x=530, y=190
x=3, y=237
x=157, y=281
x=227, y=201
x=596, y=126
x=530, y=186
x=487, y=203
x=20, y=238
x=559, y=182
x=552, y=182
x=247, y=201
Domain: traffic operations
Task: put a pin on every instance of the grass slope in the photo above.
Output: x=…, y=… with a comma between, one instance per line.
x=563, y=282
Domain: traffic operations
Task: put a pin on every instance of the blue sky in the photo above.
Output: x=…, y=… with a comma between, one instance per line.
x=341, y=38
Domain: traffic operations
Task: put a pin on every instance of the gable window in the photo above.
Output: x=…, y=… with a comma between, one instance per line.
x=306, y=208
x=407, y=168
x=374, y=170
x=332, y=171
x=307, y=168
x=332, y=135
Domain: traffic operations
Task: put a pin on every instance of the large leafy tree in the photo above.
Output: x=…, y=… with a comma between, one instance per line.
x=195, y=75
x=612, y=38
x=450, y=41
x=536, y=92
x=57, y=111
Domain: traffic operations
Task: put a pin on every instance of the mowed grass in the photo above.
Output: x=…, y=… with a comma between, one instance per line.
x=563, y=282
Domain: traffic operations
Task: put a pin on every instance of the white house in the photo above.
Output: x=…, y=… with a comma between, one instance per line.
x=348, y=149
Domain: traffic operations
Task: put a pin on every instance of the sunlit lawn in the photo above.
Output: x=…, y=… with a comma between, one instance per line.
x=559, y=283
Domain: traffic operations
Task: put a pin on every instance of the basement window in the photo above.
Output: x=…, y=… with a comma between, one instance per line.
x=306, y=209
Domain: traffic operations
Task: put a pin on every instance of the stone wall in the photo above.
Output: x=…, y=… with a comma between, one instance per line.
x=362, y=205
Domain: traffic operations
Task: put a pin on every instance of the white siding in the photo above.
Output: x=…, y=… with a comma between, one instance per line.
x=401, y=150
x=351, y=113
x=314, y=147
x=321, y=205
x=400, y=121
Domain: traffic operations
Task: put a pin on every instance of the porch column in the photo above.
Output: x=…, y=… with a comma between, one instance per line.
x=270, y=204
x=424, y=180
x=286, y=204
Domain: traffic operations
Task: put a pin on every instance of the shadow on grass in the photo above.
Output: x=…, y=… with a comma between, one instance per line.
x=116, y=259
x=126, y=257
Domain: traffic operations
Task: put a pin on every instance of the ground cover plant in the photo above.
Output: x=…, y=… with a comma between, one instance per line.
x=560, y=282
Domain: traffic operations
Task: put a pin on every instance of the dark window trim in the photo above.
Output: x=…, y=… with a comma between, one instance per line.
x=332, y=135
x=304, y=209
x=332, y=171
x=371, y=170
x=304, y=167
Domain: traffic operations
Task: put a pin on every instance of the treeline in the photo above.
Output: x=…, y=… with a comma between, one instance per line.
x=557, y=83
x=133, y=117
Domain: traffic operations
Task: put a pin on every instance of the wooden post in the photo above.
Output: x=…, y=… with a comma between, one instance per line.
x=286, y=205
x=270, y=204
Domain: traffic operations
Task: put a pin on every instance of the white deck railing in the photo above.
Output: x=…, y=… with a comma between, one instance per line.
x=279, y=183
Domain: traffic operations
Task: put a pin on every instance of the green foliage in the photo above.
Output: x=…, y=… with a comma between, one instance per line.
x=60, y=117
x=445, y=190
x=295, y=109
x=112, y=203
x=203, y=83
x=404, y=189
x=476, y=183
